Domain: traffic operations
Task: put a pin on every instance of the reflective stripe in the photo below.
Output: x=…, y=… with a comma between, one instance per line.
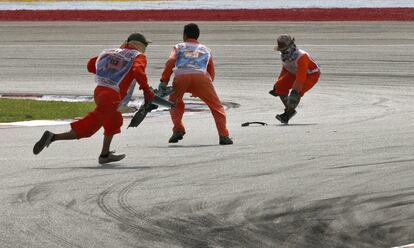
x=313, y=71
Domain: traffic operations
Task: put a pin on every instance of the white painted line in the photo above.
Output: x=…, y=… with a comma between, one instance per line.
x=35, y=123
x=38, y=123
x=405, y=246
x=65, y=98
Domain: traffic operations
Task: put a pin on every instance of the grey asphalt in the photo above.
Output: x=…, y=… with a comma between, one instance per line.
x=340, y=175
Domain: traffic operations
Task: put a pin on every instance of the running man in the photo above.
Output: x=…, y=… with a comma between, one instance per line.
x=115, y=69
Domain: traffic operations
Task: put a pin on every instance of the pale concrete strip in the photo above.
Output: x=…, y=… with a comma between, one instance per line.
x=199, y=4
x=212, y=45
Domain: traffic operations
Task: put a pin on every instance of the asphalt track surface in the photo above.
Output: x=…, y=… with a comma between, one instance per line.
x=340, y=175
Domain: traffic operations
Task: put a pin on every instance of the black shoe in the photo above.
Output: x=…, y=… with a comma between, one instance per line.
x=273, y=93
x=176, y=137
x=110, y=157
x=225, y=140
x=286, y=116
x=44, y=141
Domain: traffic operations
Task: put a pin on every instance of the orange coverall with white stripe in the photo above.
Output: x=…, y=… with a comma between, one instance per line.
x=107, y=100
x=300, y=75
x=199, y=85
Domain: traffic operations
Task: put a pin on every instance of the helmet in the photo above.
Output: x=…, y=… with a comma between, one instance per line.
x=284, y=41
x=287, y=47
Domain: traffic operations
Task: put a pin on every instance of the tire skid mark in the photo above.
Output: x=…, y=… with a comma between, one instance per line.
x=38, y=197
x=316, y=225
x=36, y=192
x=43, y=226
x=61, y=181
x=277, y=217
x=127, y=222
x=385, y=111
x=164, y=222
x=333, y=222
x=54, y=236
x=123, y=198
x=373, y=163
x=194, y=224
x=385, y=106
x=381, y=103
x=249, y=220
x=132, y=212
x=71, y=207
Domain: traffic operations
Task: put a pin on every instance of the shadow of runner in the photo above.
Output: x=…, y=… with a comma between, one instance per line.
x=294, y=124
x=102, y=167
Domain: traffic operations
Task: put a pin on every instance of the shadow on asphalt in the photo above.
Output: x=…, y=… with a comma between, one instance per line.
x=183, y=146
x=99, y=167
x=294, y=124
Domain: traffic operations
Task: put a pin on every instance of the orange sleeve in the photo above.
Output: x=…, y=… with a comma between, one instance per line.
x=91, y=65
x=168, y=70
x=301, y=73
x=138, y=70
x=282, y=73
x=211, y=69
x=169, y=66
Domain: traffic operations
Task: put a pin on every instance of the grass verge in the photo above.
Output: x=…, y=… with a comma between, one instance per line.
x=12, y=110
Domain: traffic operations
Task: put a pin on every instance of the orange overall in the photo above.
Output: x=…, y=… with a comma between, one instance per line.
x=300, y=75
x=107, y=100
x=199, y=85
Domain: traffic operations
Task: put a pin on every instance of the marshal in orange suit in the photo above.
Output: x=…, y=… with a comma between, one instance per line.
x=193, y=68
x=299, y=74
x=116, y=69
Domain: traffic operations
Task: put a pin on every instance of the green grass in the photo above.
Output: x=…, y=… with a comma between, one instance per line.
x=12, y=110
